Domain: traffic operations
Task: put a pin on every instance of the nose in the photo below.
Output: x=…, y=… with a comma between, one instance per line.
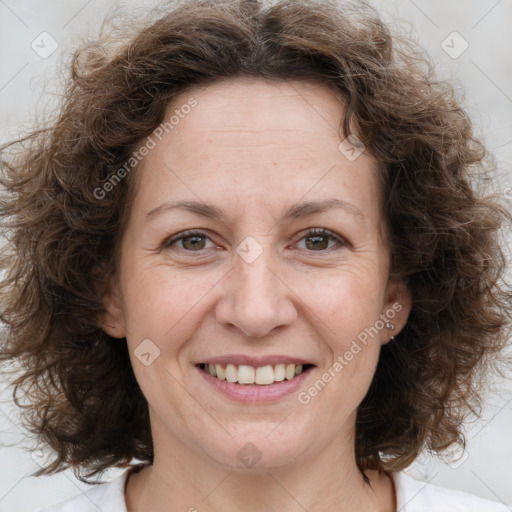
x=256, y=299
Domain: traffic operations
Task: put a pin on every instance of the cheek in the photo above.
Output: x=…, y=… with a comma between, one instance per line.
x=346, y=310
x=164, y=304
x=346, y=302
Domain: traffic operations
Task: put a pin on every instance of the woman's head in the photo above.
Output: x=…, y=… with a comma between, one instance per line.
x=251, y=284
x=243, y=111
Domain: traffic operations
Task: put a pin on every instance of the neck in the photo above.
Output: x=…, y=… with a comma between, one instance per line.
x=186, y=479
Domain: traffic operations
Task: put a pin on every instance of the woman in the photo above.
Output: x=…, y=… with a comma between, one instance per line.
x=250, y=255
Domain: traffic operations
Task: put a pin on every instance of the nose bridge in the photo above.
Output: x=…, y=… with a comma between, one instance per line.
x=256, y=300
x=256, y=280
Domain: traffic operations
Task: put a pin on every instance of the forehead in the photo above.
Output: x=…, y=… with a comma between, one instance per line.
x=260, y=110
x=254, y=140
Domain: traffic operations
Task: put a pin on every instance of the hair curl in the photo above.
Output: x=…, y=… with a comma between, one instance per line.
x=81, y=397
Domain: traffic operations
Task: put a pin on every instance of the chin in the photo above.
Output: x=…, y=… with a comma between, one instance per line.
x=255, y=449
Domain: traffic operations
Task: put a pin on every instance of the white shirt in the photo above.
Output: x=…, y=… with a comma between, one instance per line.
x=412, y=496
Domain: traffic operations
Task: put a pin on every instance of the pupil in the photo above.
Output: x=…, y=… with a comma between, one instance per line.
x=318, y=242
x=192, y=244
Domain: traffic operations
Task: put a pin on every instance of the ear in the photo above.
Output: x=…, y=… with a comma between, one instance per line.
x=396, y=309
x=112, y=319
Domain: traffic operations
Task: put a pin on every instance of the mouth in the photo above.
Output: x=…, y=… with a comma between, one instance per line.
x=254, y=376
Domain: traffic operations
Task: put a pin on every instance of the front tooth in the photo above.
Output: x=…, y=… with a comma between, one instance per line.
x=245, y=374
x=279, y=372
x=211, y=369
x=221, y=374
x=298, y=369
x=231, y=373
x=289, y=371
x=264, y=375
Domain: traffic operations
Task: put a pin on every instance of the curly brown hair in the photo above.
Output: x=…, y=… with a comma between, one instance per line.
x=80, y=395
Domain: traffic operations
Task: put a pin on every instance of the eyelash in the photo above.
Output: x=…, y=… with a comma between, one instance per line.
x=193, y=232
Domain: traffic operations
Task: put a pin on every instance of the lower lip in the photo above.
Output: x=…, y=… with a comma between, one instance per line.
x=255, y=393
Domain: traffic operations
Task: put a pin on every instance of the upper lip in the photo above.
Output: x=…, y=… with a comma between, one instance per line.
x=256, y=361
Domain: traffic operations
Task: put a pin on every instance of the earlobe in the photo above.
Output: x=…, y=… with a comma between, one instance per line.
x=397, y=309
x=112, y=318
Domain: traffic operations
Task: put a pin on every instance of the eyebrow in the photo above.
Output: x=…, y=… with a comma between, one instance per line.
x=294, y=212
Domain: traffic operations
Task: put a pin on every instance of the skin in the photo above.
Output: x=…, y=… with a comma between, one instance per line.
x=252, y=149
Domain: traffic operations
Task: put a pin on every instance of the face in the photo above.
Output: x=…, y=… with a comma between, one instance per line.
x=254, y=249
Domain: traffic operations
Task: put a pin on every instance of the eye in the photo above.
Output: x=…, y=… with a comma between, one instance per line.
x=320, y=239
x=315, y=240
x=191, y=241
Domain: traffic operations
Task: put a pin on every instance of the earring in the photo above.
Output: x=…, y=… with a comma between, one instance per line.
x=391, y=326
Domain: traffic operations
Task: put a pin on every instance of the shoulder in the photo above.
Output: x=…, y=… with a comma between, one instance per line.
x=416, y=496
x=108, y=497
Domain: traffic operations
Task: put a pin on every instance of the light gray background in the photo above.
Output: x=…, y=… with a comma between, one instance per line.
x=483, y=71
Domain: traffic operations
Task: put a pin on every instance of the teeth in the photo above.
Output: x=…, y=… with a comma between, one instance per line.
x=231, y=373
x=262, y=375
x=245, y=374
x=221, y=374
x=289, y=371
x=279, y=372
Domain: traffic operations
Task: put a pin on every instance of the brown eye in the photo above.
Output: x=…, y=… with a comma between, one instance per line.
x=191, y=241
x=317, y=242
x=320, y=240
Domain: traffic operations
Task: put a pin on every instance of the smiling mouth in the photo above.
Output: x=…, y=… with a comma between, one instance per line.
x=256, y=376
